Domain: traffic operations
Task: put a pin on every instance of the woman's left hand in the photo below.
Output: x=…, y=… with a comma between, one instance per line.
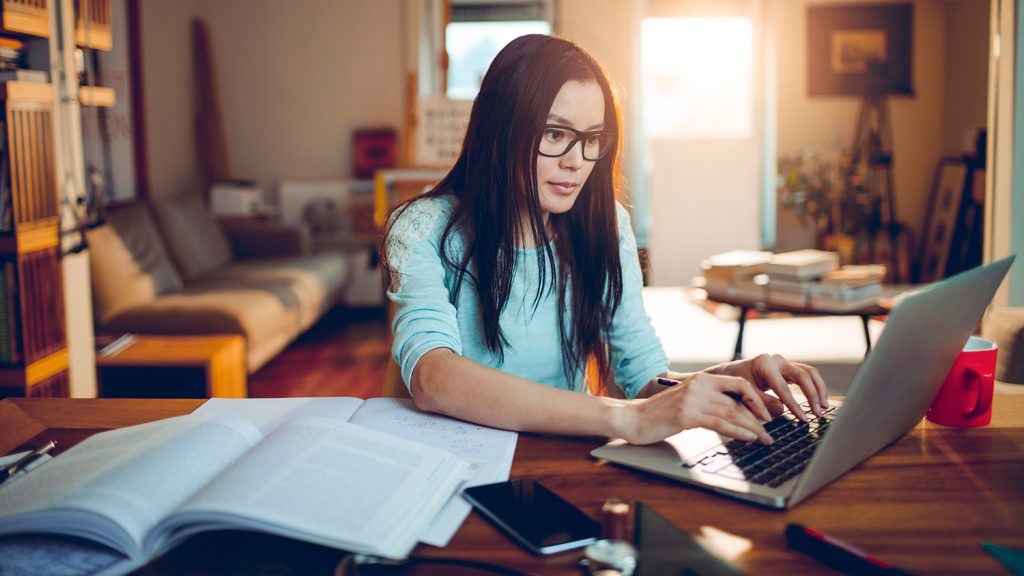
x=773, y=372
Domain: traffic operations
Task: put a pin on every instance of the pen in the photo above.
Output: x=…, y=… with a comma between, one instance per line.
x=25, y=460
x=671, y=382
x=836, y=553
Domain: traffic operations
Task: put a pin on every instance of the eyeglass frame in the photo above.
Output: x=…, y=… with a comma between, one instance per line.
x=580, y=136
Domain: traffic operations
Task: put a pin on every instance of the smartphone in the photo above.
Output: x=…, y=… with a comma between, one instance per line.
x=534, y=516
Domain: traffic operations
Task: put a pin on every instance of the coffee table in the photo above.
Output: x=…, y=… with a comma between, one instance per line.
x=200, y=366
x=746, y=304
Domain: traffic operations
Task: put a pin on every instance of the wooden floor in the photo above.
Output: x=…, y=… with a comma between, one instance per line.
x=345, y=354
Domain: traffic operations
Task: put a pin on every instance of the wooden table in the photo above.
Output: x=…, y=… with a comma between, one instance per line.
x=925, y=503
x=747, y=304
x=148, y=368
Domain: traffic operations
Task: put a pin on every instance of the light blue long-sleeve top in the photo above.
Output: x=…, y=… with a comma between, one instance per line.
x=426, y=319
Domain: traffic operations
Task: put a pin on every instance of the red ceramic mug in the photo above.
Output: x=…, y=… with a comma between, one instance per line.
x=965, y=398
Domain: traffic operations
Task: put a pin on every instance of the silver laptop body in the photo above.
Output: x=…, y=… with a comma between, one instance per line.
x=889, y=394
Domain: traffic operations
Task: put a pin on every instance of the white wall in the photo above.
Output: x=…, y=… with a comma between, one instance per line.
x=168, y=89
x=966, y=74
x=704, y=200
x=294, y=80
x=916, y=121
x=950, y=80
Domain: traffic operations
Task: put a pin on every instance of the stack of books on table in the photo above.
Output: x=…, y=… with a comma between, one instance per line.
x=849, y=288
x=793, y=276
x=814, y=279
x=734, y=274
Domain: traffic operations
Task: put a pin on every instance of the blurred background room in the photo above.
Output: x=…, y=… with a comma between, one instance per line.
x=203, y=183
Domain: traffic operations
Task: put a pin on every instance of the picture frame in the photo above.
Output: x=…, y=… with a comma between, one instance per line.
x=848, y=46
x=949, y=185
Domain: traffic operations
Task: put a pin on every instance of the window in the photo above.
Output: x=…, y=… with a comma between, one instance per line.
x=698, y=77
x=478, y=31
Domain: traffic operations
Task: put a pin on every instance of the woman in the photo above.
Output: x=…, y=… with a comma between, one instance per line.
x=520, y=265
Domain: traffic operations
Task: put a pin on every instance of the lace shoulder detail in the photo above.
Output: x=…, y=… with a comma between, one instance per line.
x=413, y=226
x=627, y=239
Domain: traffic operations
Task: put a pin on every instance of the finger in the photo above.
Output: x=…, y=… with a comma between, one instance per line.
x=740, y=416
x=798, y=376
x=781, y=388
x=775, y=406
x=749, y=395
x=723, y=426
x=819, y=382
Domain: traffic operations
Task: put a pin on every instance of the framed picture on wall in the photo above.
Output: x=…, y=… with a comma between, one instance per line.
x=849, y=46
x=940, y=221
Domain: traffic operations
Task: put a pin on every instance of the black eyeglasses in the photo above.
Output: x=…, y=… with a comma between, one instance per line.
x=557, y=140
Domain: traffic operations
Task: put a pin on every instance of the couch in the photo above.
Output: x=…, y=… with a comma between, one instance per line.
x=1005, y=327
x=169, y=267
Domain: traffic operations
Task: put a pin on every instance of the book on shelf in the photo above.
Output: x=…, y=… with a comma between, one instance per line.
x=803, y=264
x=323, y=479
x=6, y=215
x=12, y=322
x=24, y=75
x=5, y=333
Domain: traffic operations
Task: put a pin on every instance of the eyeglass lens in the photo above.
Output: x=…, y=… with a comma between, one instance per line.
x=558, y=140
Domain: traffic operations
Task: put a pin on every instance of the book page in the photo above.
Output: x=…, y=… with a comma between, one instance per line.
x=269, y=413
x=330, y=483
x=116, y=485
x=51, y=555
x=488, y=451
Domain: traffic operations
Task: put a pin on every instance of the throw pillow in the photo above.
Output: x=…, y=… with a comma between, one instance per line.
x=128, y=263
x=194, y=238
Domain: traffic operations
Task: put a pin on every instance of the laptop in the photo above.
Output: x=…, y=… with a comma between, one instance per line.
x=888, y=395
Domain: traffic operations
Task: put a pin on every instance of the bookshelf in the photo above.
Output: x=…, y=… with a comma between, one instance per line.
x=38, y=128
x=25, y=17
x=93, y=24
x=33, y=352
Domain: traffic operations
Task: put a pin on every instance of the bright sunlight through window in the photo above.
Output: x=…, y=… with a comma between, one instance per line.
x=471, y=47
x=698, y=77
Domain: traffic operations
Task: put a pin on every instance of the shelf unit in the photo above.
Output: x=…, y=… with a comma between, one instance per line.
x=25, y=17
x=97, y=96
x=93, y=24
x=30, y=253
x=34, y=334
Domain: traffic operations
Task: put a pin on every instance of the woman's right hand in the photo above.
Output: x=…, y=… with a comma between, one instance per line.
x=728, y=405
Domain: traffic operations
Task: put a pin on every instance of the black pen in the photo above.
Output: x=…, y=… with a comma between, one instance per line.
x=671, y=382
x=836, y=553
x=7, y=471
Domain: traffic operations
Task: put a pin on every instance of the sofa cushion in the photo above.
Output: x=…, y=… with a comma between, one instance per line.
x=128, y=263
x=310, y=283
x=195, y=240
x=1005, y=327
x=260, y=314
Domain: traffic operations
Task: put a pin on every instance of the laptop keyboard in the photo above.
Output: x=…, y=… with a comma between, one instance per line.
x=795, y=442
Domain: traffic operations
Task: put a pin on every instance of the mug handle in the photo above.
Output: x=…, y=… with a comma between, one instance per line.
x=985, y=384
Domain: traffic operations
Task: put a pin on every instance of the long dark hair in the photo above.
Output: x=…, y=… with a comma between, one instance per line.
x=495, y=182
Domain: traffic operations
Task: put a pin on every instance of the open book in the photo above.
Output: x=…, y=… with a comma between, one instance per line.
x=141, y=490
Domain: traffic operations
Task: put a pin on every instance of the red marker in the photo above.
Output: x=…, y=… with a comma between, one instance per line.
x=836, y=553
